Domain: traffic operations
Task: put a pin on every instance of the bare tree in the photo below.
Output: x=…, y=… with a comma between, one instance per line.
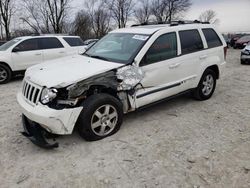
x=57, y=11
x=6, y=11
x=121, y=10
x=36, y=15
x=82, y=25
x=167, y=10
x=1, y=28
x=159, y=10
x=177, y=7
x=142, y=12
x=209, y=16
x=100, y=17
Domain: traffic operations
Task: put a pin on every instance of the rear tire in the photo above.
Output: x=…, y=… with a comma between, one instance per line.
x=101, y=117
x=206, y=85
x=5, y=74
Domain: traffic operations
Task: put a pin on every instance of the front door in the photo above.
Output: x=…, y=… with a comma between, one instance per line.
x=160, y=65
x=26, y=54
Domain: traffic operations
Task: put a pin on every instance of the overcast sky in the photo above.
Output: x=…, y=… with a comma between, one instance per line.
x=234, y=15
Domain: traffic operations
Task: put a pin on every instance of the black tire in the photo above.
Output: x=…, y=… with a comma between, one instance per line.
x=201, y=95
x=90, y=106
x=242, y=61
x=7, y=73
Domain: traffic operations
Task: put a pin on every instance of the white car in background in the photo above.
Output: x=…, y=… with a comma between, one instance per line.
x=22, y=52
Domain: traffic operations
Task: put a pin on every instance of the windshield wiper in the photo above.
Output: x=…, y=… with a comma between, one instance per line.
x=99, y=57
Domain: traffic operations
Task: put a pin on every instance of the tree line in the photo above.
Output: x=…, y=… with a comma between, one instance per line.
x=93, y=20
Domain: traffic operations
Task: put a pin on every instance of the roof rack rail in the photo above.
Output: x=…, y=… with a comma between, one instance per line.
x=172, y=23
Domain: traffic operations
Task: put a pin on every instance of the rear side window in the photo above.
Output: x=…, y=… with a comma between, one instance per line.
x=165, y=47
x=28, y=45
x=73, y=41
x=190, y=41
x=212, y=38
x=50, y=43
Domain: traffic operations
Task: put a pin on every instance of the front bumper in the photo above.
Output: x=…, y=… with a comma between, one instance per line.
x=36, y=134
x=60, y=122
x=245, y=59
x=243, y=56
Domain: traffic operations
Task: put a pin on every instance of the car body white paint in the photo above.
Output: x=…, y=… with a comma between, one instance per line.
x=186, y=69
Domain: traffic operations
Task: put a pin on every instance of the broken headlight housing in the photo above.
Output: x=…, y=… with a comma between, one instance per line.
x=48, y=95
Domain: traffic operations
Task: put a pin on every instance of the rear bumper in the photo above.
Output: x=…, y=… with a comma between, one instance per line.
x=59, y=122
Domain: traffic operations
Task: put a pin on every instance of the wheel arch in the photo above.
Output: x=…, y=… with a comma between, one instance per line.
x=3, y=63
x=214, y=68
x=102, y=89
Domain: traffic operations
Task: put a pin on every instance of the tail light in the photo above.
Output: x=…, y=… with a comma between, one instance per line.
x=225, y=52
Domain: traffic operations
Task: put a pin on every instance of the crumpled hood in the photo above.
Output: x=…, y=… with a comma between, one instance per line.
x=68, y=70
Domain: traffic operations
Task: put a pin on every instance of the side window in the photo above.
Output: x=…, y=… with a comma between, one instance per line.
x=28, y=45
x=165, y=47
x=73, y=41
x=190, y=41
x=212, y=38
x=50, y=43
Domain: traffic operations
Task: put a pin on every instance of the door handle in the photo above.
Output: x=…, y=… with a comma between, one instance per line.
x=61, y=52
x=175, y=65
x=37, y=54
x=203, y=57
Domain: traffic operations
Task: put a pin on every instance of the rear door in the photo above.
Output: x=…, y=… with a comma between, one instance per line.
x=52, y=47
x=76, y=45
x=27, y=53
x=192, y=57
x=215, y=48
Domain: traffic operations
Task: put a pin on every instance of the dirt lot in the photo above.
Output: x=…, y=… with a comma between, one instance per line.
x=180, y=143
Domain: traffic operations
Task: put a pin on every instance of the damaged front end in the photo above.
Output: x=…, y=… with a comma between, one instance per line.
x=36, y=134
x=122, y=82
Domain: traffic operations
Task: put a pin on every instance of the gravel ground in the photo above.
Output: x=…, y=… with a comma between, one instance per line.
x=179, y=143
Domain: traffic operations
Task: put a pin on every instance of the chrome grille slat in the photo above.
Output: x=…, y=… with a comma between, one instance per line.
x=33, y=95
x=31, y=92
x=25, y=87
x=27, y=91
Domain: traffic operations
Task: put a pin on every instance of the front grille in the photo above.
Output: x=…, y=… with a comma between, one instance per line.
x=31, y=92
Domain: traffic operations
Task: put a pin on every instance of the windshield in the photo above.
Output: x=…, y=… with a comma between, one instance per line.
x=7, y=45
x=118, y=47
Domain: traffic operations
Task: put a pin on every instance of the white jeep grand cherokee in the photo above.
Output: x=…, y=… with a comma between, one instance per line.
x=126, y=70
x=20, y=53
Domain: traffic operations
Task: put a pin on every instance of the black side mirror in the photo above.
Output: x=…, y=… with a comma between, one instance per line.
x=16, y=49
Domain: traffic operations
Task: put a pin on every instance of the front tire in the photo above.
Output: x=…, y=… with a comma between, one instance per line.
x=5, y=74
x=101, y=117
x=206, y=85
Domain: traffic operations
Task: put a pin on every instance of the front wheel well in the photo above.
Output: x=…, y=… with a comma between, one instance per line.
x=214, y=68
x=102, y=89
x=3, y=63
